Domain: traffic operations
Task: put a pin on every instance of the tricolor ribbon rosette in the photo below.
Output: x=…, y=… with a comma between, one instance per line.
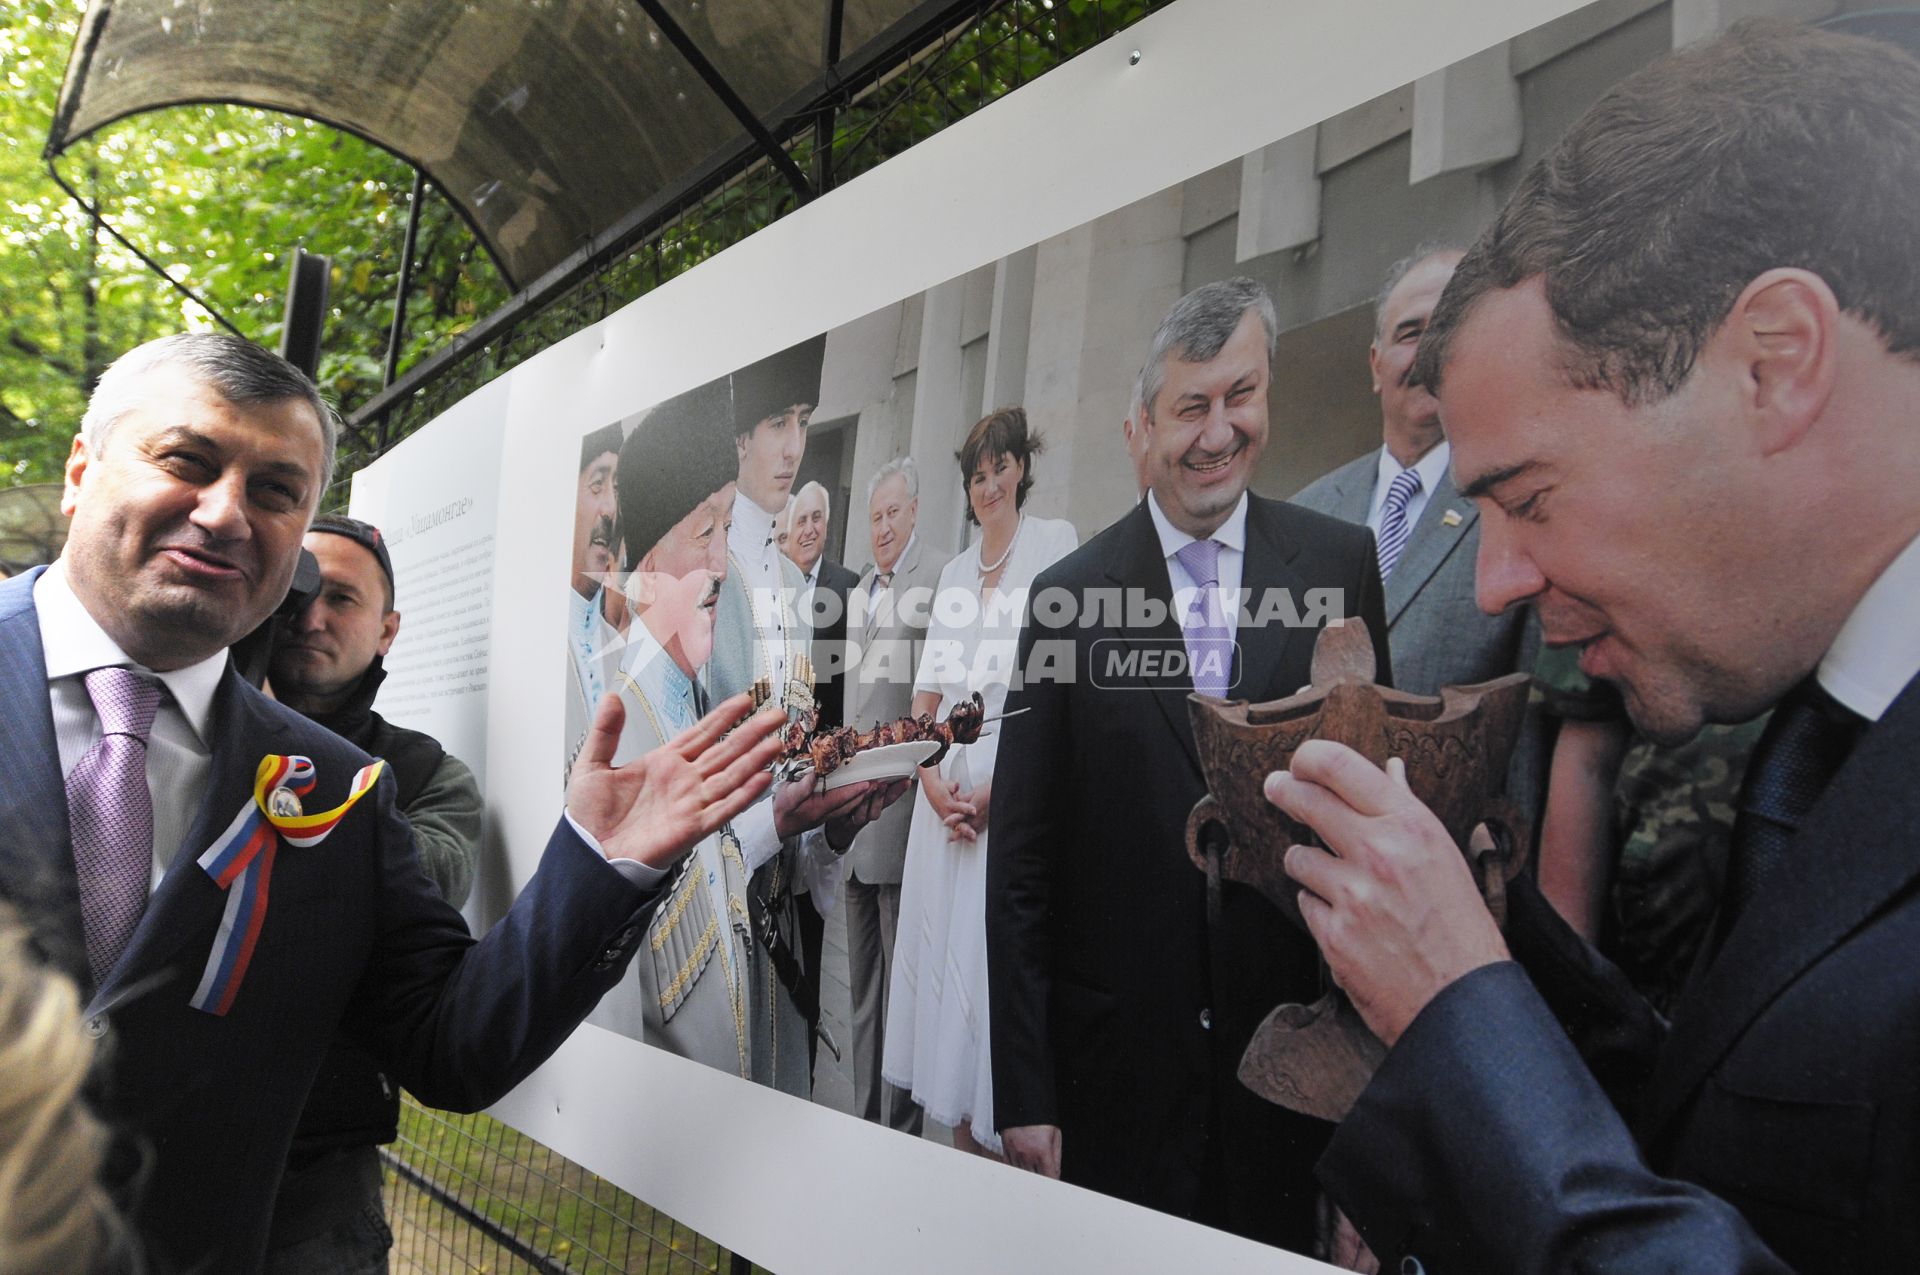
x=240, y=861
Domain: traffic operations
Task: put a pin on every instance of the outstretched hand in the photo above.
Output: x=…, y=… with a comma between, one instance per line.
x=1394, y=908
x=661, y=804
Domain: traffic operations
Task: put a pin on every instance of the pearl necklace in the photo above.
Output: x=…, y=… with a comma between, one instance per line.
x=986, y=568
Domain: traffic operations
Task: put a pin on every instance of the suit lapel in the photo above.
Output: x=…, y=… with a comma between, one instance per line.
x=186, y=907
x=1854, y=852
x=1431, y=544
x=1137, y=563
x=1353, y=487
x=1268, y=566
x=36, y=849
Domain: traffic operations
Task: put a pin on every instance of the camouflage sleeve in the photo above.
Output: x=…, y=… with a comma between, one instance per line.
x=1571, y=695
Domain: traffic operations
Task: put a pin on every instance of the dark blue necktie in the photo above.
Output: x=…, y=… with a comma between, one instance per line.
x=1803, y=746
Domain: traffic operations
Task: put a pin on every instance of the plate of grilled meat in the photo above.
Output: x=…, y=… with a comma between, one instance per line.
x=846, y=755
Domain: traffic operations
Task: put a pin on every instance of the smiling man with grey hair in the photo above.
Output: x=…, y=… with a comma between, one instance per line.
x=1121, y=1002
x=140, y=767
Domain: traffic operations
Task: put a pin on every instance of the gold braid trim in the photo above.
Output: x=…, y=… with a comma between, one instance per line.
x=736, y=984
x=663, y=928
x=711, y=935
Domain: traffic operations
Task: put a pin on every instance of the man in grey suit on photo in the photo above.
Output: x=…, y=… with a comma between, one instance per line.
x=886, y=625
x=1428, y=535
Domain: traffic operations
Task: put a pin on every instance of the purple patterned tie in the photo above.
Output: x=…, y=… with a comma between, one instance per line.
x=1209, y=645
x=110, y=812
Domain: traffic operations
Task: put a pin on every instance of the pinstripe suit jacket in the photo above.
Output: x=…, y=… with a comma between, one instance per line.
x=356, y=937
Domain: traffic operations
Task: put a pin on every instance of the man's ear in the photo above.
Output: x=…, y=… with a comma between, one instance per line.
x=1373, y=363
x=1783, y=331
x=389, y=630
x=76, y=469
x=740, y=446
x=640, y=588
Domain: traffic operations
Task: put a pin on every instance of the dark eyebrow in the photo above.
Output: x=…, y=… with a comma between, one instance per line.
x=175, y=434
x=1494, y=477
x=1408, y=325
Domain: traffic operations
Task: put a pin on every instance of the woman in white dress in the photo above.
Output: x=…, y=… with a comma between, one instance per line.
x=937, y=1038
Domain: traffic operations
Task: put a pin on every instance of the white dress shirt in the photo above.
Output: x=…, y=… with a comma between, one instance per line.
x=179, y=758
x=1432, y=468
x=750, y=543
x=1232, y=535
x=1878, y=649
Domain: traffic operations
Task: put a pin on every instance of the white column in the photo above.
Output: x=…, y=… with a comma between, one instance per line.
x=1465, y=116
x=938, y=411
x=1009, y=329
x=1279, y=197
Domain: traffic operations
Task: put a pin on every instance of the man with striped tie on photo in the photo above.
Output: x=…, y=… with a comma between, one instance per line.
x=1402, y=491
x=1428, y=535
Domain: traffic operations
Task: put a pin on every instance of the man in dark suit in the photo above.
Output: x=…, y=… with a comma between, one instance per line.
x=824, y=585
x=134, y=748
x=1679, y=377
x=1121, y=997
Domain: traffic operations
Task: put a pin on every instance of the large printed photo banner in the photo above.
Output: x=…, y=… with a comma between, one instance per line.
x=839, y=464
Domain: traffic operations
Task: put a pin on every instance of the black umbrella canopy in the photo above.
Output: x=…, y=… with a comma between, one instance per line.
x=544, y=121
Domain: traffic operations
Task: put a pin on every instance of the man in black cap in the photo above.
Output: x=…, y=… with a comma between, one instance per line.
x=715, y=1005
x=328, y=666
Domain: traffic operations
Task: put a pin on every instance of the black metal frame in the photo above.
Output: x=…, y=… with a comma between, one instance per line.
x=99, y=219
x=815, y=104
x=723, y=89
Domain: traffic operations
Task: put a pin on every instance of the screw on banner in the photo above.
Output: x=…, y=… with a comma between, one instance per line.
x=1133, y=59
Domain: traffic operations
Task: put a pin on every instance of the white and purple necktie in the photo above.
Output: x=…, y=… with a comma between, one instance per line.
x=110, y=814
x=1209, y=645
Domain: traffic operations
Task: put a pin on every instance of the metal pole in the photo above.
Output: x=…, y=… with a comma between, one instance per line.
x=399, y=328
x=823, y=123
x=99, y=220
x=710, y=75
x=398, y=331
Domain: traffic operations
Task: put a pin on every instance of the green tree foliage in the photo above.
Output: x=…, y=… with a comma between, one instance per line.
x=221, y=196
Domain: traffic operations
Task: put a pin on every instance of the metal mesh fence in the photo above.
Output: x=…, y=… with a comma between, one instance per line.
x=467, y=1194
x=1000, y=46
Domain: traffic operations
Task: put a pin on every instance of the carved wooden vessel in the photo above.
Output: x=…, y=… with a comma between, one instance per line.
x=1317, y=1058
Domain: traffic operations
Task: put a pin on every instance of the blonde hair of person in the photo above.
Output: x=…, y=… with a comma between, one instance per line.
x=54, y=1214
